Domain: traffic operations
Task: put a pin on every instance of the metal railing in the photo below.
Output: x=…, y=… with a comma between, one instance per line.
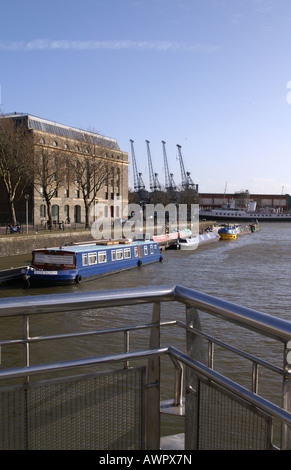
x=194, y=377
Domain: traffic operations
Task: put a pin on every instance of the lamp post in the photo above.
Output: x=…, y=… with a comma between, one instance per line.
x=26, y=199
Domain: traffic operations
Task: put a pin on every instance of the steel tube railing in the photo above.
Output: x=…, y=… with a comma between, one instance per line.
x=261, y=323
x=265, y=324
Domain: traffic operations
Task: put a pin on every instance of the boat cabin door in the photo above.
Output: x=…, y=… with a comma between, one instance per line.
x=139, y=251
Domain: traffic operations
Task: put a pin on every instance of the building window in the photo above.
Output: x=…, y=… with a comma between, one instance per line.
x=42, y=211
x=55, y=213
x=67, y=193
x=77, y=193
x=67, y=211
x=77, y=214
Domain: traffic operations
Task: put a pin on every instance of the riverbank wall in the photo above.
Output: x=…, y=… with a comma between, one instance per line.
x=18, y=244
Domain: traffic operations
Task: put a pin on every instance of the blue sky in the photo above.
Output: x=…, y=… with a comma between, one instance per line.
x=213, y=76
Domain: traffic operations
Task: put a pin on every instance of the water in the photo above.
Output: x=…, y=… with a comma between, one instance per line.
x=253, y=271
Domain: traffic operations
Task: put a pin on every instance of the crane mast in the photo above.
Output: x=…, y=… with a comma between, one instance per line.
x=187, y=181
x=169, y=177
x=137, y=177
x=154, y=182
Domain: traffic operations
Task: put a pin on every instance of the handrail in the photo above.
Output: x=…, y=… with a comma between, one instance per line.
x=254, y=320
x=67, y=365
x=263, y=323
x=38, y=304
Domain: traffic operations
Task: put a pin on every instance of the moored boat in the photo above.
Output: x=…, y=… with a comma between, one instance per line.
x=192, y=242
x=250, y=228
x=228, y=232
x=75, y=263
x=188, y=243
x=236, y=214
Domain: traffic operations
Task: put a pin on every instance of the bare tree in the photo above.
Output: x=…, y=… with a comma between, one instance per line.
x=91, y=166
x=16, y=160
x=50, y=172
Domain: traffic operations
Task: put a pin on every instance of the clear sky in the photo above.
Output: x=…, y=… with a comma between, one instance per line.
x=213, y=76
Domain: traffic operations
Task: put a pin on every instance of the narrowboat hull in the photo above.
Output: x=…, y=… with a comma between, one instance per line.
x=88, y=262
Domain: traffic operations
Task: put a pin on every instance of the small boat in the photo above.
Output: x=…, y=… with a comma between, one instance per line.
x=188, y=243
x=228, y=232
x=75, y=263
x=250, y=228
x=191, y=242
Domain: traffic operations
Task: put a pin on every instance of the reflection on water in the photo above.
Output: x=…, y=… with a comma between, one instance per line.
x=252, y=271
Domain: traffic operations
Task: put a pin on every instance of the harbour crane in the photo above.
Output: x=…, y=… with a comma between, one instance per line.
x=169, y=178
x=154, y=182
x=137, y=177
x=187, y=182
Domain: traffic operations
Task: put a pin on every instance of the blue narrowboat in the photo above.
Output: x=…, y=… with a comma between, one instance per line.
x=74, y=263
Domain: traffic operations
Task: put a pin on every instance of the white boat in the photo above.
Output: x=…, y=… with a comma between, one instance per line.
x=192, y=242
x=271, y=215
x=188, y=243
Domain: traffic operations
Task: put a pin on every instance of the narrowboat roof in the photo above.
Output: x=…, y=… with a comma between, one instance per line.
x=103, y=244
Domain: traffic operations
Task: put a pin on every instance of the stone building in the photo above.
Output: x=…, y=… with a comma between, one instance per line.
x=67, y=203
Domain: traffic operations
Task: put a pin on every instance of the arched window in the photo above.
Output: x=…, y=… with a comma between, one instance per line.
x=77, y=214
x=42, y=211
x=55, y=213
x=66, y=211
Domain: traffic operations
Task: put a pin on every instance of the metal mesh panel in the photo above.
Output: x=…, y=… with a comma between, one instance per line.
x=228, y=423
x=84, y=412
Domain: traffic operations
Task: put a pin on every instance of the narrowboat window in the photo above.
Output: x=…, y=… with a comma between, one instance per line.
x=102, y=257
x=135, y=251
x=145, y=250
x=113, y=256
x=119, y=254
x=127, y=253
x=92, y=258
x=85, y=259
x=152, y=250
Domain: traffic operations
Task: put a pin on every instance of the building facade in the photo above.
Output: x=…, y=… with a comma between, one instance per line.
x=67, y=203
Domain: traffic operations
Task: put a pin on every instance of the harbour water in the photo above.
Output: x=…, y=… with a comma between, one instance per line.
x=253, y=271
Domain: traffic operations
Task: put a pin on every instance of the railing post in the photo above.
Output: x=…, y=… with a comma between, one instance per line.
x=26, y=344
x=153, y=386
x=286, y=395
x=194, y=349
